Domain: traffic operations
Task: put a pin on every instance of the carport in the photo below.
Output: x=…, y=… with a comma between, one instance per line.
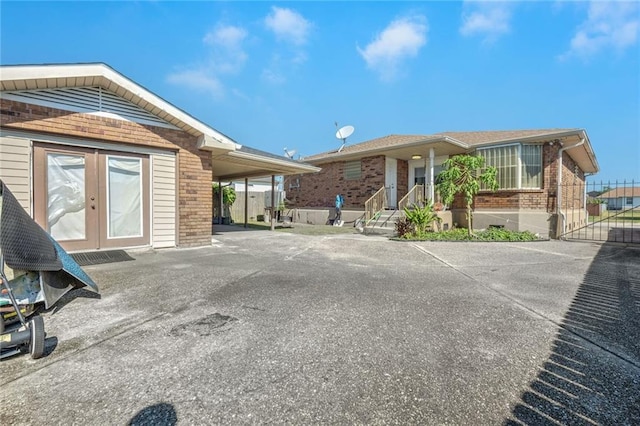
x=245, y=163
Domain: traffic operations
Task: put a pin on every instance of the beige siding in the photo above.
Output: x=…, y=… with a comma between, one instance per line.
x=15, y=158
x=163, y=178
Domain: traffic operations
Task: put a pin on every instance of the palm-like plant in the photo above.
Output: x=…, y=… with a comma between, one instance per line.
x=463, y=174
x=422, y=217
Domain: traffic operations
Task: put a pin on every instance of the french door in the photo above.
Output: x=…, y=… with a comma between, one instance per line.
x=90, y=199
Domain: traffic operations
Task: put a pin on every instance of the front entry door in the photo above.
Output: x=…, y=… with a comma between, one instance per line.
x=391, y=181
x=89, y=199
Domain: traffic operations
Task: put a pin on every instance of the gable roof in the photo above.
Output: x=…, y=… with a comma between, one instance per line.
x=448, y=143
x=631, y=191
x=52, y=76
x=232, y=160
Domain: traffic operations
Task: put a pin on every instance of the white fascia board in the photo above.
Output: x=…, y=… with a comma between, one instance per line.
x=215, y=139
x=305, y=168
x=368, y=152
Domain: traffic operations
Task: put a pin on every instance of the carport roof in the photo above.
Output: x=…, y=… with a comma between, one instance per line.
x=247, y=162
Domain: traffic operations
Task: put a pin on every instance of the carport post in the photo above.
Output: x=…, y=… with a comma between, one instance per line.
x=273, y=202
x=246, y=201
x=221, y=209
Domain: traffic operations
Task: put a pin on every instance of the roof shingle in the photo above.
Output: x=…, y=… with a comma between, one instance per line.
x=467, y=138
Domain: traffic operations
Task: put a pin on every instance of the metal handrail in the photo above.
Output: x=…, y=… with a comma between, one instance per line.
x=414, y=196
x=375, y=204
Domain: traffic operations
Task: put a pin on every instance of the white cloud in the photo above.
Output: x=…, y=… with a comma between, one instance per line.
x=226, y=42
x=288, y=25
x=400, y=40
x=198, y=79
x=488, y=19
x=609, y=25
x=226, y=56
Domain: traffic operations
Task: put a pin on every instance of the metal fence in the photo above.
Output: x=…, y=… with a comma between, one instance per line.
x=602, y=211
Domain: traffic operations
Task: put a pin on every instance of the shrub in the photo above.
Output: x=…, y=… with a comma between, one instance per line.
x=461, y=234
x=404, y=227
x=422, y=217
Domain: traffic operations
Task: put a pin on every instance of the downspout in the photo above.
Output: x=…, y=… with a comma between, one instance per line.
x=584, y=206
x=561, y=215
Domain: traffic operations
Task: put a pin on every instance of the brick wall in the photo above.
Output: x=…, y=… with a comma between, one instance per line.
x=194, y=166
x=319, y=189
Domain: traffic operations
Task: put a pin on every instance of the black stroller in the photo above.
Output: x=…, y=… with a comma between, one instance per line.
x=42, y=273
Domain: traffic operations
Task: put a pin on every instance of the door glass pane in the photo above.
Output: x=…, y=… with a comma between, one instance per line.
x=66, y=196
x=419, y=176
x=124, y=214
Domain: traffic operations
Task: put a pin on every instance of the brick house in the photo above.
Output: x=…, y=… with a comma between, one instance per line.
x=100, y=162
x=533, y=194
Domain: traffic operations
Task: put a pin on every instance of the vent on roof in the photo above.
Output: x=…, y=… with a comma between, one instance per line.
x=92, y=100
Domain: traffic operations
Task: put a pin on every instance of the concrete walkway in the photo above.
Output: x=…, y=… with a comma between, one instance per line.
x=271, y=327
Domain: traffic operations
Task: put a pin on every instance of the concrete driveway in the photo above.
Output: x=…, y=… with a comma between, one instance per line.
x=269, y=327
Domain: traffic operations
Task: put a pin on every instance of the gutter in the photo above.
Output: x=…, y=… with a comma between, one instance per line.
x=308, y=168
x=559, y=212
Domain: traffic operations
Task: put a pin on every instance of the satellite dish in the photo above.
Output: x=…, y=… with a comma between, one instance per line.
x=289, y=154
x=344, y=132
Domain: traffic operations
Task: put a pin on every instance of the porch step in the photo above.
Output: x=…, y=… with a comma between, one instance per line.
x=385, y=224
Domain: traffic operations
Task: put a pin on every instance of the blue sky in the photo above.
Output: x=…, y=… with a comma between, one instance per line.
x=281, y=74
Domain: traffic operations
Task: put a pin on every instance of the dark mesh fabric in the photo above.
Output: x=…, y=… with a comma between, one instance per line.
x=24, y=244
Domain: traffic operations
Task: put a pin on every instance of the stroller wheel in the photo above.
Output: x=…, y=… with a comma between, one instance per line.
x=36, y=344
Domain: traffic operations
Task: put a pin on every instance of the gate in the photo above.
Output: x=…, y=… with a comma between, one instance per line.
x=602, y=211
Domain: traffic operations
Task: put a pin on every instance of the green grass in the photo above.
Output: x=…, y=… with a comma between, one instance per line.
x=461, y=234
x=302, y=228
x=627, y=215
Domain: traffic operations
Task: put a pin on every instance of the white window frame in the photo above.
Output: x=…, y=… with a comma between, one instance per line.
x=518, y=164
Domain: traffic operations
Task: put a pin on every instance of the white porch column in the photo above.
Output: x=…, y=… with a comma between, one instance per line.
x=432, y=160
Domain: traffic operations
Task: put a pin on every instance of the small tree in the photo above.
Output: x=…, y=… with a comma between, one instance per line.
x=463, y=174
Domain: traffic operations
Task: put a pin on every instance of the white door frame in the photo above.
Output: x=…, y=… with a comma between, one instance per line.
x=391, y=180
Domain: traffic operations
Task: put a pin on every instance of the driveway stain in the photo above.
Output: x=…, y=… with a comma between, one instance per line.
x=206, y=326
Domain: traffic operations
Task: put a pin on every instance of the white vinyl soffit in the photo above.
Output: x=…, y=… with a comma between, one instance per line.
x=91, y=100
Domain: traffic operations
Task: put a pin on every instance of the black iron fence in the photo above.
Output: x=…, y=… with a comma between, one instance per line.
x=602, y=211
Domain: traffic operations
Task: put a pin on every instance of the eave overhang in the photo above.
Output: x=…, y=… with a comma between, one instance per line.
x=35, y=77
